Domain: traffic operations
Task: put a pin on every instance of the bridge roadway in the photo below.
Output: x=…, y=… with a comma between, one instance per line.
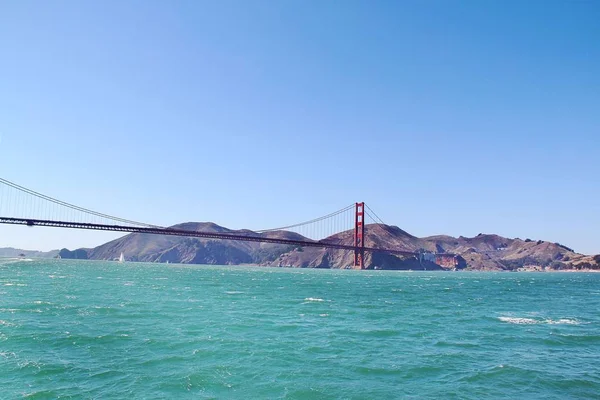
x=199, y=234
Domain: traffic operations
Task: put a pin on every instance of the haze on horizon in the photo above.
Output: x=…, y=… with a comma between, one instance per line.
x=445, y=117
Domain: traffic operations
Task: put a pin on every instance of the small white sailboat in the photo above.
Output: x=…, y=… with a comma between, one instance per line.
x=121, y=258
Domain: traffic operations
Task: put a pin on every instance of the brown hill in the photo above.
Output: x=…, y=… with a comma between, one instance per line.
x=493, y=252
x=176, y=249
x=482, y=252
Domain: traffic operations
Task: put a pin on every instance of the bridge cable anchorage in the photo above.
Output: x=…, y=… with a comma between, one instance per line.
x=72, y=206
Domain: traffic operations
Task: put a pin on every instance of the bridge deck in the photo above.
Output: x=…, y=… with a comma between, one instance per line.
x=198, y=234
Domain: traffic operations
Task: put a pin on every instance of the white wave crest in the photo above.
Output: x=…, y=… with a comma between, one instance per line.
x=563, y=321
x=531, y=321
x=313, y=299
x=520, y=321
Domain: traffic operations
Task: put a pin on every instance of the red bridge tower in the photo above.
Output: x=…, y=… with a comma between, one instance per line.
x=359, y=235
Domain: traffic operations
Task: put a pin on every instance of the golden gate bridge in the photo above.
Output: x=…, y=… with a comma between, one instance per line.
x=22, y=206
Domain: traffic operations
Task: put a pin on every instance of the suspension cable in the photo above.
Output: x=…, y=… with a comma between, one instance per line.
x=376, y=216
x=72, y=206
x=308, y=222
x=378, y=222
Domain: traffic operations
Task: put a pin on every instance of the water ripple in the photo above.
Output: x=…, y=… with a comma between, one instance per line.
x=78, y=329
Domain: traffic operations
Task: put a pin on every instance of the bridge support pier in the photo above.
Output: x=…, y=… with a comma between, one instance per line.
x=359, y=236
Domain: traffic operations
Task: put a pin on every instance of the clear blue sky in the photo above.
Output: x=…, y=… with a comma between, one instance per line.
x=444, y=116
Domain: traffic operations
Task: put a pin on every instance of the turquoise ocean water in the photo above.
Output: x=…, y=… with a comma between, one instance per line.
x=73, y=329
